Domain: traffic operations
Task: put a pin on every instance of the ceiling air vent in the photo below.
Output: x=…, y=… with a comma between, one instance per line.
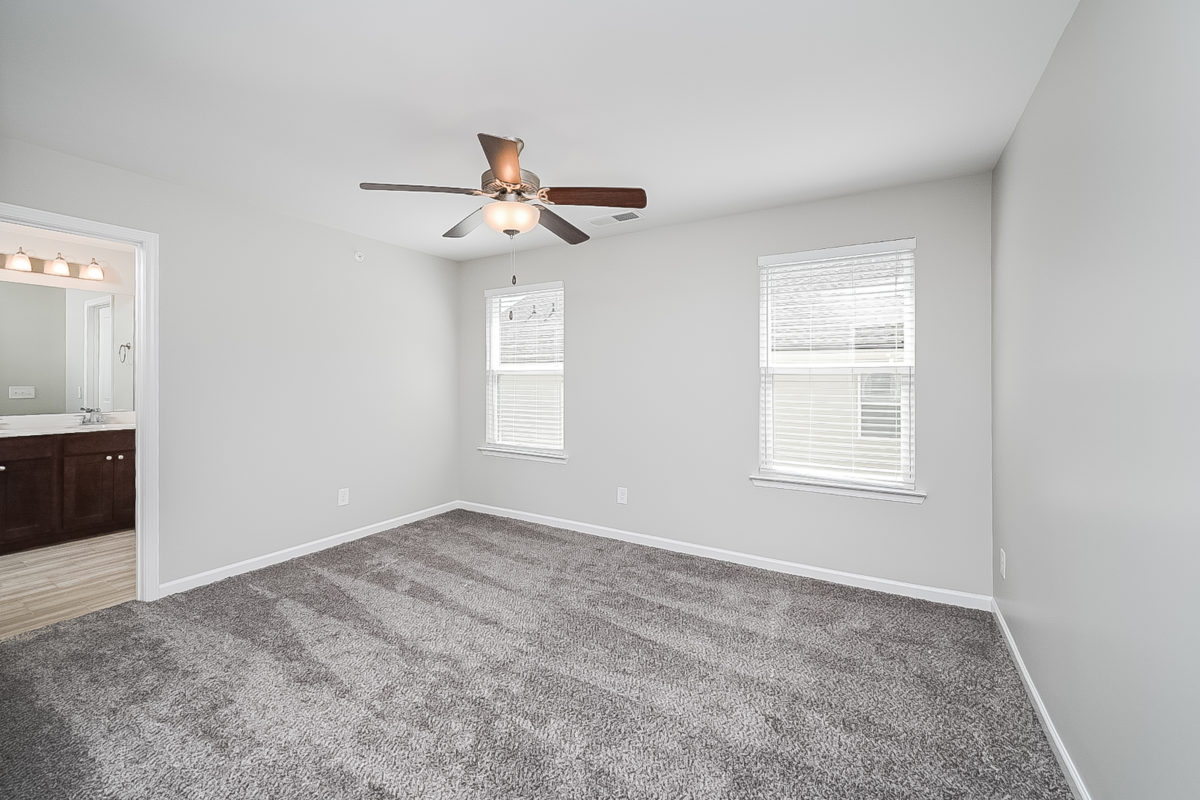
x=613, y=219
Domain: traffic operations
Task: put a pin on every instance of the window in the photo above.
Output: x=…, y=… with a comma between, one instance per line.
x=524, y=340
x=838, y=368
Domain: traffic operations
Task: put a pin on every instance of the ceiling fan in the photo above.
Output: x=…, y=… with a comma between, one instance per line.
x=519, y=196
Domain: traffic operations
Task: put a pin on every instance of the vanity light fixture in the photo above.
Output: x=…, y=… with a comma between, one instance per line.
x=92, y=272
x=19, y=261
x=58, y=266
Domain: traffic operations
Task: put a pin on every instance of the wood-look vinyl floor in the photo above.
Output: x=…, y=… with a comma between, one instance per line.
x=50, y=584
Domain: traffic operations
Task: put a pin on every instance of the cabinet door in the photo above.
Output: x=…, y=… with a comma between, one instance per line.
x=87, y=490
x=26, y=500
x=123, y=489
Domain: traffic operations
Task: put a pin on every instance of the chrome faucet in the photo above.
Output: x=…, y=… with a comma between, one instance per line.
x=92, y=416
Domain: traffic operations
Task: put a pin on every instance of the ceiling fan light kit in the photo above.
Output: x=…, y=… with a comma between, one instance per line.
x=515, y=191
x=511, y=218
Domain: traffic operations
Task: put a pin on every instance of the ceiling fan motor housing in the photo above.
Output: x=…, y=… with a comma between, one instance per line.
x=530, y=183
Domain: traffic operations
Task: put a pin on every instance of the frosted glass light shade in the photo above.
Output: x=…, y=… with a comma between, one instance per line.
x=19, y=261
x=92, y=272
x=504, y=216
x=58, y=266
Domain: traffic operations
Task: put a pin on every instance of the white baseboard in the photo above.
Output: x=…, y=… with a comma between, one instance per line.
x=948, y=596
x=1074, y=779
x=250, y=564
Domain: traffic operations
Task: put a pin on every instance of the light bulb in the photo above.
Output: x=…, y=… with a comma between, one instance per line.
x=511, y=218
x=58, y=266
x=92, y=272
x=20, y=261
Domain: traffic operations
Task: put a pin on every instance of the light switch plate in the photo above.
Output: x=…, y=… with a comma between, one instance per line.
x=22, y=392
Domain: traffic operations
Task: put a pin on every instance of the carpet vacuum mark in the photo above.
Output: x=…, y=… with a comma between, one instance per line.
x=469, y=656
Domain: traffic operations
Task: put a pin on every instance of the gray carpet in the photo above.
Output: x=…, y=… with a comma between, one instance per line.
x=469, y=656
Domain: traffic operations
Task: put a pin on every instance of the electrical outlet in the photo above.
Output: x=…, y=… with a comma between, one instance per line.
x=1003, y=564
x=343, y=497
x=622, y=495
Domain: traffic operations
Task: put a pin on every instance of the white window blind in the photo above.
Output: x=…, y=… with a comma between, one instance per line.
x=524, y=332
x=837, y=365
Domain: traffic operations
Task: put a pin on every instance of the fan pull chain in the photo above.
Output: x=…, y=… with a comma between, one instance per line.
x=512, y=257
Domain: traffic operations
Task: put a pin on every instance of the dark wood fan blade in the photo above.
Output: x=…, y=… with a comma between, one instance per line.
x=469, y=223
x=595, y=196
x=560, y=227
x=502, y=157
x=405, y=187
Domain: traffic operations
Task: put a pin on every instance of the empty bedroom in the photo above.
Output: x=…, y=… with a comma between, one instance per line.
x=635, y=400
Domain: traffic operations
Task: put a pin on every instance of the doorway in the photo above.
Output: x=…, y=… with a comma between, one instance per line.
x=103, y=333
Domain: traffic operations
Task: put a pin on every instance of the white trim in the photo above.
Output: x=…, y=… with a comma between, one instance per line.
x=558, y=457
x=849, y=251
x=524, y=288
x=932, y=593
x=288, y=553
x=947, y=596
x=849, y=490
x=89, y=358
x=145, y=379
x=1070, y=771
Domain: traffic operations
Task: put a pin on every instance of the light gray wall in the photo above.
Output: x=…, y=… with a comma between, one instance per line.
x=662, y=388
x=32, y=347
x=1097, y=386
x=288, y=369
x=123, y=332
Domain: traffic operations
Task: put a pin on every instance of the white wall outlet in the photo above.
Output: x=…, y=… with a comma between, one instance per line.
x=343, y=497
x=622, y=495
x=1003, y=564
x=22, y=392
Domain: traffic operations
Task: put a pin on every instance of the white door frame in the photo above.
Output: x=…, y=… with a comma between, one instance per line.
x=91, y=359
x=145, y=369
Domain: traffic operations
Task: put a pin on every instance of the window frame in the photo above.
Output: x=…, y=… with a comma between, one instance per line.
x=766, y=475
x=492, y=371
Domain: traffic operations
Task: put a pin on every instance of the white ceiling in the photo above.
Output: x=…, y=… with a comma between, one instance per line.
x=713, y=108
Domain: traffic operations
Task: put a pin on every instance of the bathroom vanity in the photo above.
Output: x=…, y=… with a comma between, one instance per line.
x=56, y=486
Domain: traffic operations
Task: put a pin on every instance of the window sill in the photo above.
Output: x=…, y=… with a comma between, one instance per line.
x=553, y=456
x=795, y=482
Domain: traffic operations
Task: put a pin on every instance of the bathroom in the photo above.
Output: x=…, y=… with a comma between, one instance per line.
x=67, y=426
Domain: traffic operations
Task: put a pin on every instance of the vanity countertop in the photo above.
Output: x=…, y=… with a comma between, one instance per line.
x=56, y=424
x=8, y=433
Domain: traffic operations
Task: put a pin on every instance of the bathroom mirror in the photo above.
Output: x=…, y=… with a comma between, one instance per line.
x=62, y=349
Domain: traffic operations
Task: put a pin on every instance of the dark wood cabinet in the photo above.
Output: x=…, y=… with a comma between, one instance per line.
x=124, y=506
x=59, y=487
x=87, y=491
x=28, y=488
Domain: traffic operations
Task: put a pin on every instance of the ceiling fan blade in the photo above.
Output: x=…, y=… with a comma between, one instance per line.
x=559, y=226
x=405, y=187
x=469, y=223
x=502, y=157
x=594, y=196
